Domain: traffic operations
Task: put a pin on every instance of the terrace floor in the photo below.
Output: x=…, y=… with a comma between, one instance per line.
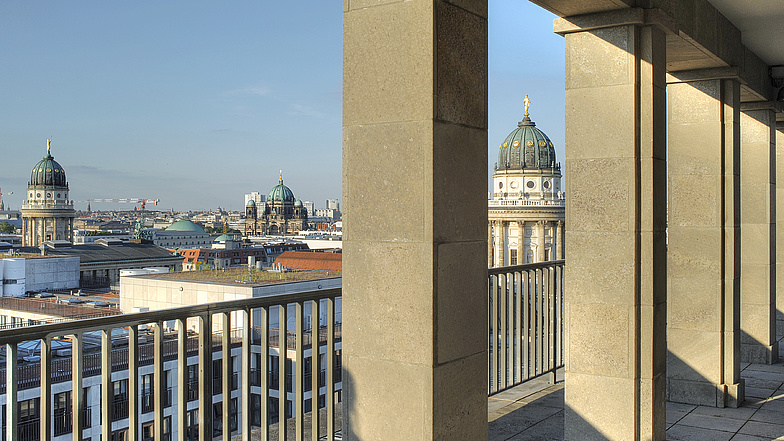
x=534, y=411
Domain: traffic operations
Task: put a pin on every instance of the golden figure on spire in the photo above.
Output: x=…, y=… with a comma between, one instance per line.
x=527, y=104
x=281, y=177
x=48, y=145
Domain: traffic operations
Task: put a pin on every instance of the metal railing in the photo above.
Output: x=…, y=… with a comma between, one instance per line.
x=526, y=323
x=323, y=423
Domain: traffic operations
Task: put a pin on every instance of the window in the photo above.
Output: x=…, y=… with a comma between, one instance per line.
x=62, y=413
x=512, y=257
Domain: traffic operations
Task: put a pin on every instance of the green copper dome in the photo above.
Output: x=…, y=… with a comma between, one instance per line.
x=48, y=172
x=251, y=203
x=185, y=225
x=298, y=203
x=526, y=148
x=280, y=193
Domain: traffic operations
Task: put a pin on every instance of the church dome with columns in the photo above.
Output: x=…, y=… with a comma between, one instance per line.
x=525, y=148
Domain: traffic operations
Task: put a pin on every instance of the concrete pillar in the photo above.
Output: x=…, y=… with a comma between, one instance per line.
x=703, y=329
x=615, y=283
x=414, y=117
x=500, y=242
x=520, y=242
x=780, y=231
x=489, y=244
x=758, y=238
x=540, y=232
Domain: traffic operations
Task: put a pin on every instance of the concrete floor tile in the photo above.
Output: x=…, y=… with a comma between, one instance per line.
x=550, y=429
x=743, y=437
x=680, y=407
x=768, y=416
x=687, y=433
x=741, y=413
x=766, y=430
x=519, y=419
x=757, y=392
x=711, y=422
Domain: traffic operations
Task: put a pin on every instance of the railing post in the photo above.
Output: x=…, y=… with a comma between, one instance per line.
x=46, y=390
x=245, y=428
x=264, y=373
x=106, y=384
x=329, y=357
x=226, y=374
x=133, y=383
x=299, y=395
x=159, y=373
x=76, y=387
x=205, y=376
x=314, y=368
x=282, y=347
x=11, y=386
x=182, y=376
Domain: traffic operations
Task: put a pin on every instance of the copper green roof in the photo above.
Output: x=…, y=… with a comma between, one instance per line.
x=280, y=193
x=185, y=225
x=48, y=172
x=526, y=148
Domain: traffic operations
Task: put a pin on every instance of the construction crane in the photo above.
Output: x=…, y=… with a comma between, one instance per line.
x=2, y=206
x=142, y=201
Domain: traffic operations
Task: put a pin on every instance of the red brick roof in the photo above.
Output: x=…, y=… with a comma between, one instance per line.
x=310, y=260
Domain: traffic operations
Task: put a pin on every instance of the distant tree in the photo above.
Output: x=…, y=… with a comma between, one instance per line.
x=5, y=227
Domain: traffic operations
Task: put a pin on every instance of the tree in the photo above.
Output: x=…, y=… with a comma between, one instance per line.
x=5, y=227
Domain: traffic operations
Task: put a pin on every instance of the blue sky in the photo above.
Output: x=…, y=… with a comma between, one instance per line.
x=197, y=103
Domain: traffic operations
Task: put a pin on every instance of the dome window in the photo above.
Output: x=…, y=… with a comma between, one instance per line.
x=530, y=184
x=529, y=143
x=38, y=195
x=515, y=144
x=500, y=185
x=546, y=184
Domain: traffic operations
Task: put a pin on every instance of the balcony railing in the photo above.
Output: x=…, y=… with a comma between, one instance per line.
x=525, y=341
x=258, y=309
x=526, y=323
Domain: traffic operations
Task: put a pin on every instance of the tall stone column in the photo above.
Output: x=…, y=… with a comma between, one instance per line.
x=780, y=230
x=703, y=304
x=489, y=244
x=520, y=242
x=758, y=238
x=540, y=232
x=615, y=286
x=500, y=242
x=414, y=117
x=559, y=238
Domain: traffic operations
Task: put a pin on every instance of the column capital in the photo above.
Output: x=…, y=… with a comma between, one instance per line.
x=716, y=73
x=611, y=19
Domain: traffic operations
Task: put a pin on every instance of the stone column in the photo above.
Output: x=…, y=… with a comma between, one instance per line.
x=520, y=242
x=780, y=230
x=500, y=242
x=414, y=117
x=489, y=244
x=559, y=240
x=540, y=232
x=758, y=238
x=703, y=330
x=615, y=285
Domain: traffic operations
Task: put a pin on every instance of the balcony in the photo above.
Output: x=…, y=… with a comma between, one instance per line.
x=525, y=343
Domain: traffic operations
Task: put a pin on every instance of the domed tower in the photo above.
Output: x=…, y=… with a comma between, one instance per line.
x=526, y=207
x=251, y=218
x=281, y=215
x=48, y=213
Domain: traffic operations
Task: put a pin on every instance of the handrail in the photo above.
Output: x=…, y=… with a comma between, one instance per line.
x=35, y=332
x=526, y=266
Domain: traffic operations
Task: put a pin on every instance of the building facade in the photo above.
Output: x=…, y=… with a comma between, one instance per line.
x=47, y=213
x=283, y=213
x=526, y=207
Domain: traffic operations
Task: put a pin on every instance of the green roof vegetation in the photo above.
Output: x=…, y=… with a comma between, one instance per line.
x=244, y=276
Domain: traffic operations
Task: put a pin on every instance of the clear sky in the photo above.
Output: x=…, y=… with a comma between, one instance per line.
x=199, y=102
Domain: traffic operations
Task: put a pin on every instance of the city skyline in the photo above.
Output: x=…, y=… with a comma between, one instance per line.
x=196, y=104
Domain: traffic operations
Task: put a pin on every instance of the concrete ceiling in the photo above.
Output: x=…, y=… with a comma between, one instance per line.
x=761, y=23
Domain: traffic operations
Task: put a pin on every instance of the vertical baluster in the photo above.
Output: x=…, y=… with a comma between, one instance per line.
x=299, y=395
x=133, y=383
x=329, y=357
x=226, y=374
x=526, y=275
x=502, y=337
x=264, y=373
x=107, y=388
x=545, y=320
x=510, y=328
x=518, y=357
x=282, y=347
x=46, y=390
x=553, y=331
x=205, y=377
x=11, y=386
x=314, y=369
x=245, y=396
x=76, y=387
x=560, y=314
x=182, y=378
x=539, y=339
x=158, y=386
x=494, y=334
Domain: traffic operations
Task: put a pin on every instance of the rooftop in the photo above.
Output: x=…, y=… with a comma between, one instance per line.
x=243, y=276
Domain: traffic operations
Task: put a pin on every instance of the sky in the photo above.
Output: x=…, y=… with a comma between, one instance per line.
x=197, y=103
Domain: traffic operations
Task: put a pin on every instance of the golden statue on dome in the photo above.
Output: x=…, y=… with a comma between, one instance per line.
x=527, y=103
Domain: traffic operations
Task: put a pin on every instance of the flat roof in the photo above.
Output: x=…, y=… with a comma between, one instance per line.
x=243, y=276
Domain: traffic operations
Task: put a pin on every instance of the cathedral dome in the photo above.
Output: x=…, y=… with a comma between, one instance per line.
x=48, y=172
x=526, y=148
x=185, y=225
x=251, y=203
x=280, y=193
x=298, y=203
